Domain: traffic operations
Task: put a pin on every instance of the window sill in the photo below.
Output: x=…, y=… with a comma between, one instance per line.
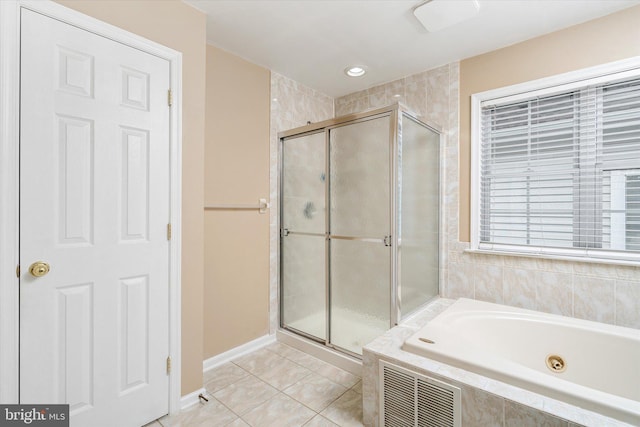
x=557, y=257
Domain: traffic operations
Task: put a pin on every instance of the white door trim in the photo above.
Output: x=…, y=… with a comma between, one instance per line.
x=9, y=181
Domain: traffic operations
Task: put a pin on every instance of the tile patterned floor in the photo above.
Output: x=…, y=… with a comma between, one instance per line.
x=276, y=386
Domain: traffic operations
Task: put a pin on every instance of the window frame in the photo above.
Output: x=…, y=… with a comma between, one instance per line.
x=600, y=74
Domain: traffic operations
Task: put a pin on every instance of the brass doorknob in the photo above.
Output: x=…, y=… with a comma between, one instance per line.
x=39, y=269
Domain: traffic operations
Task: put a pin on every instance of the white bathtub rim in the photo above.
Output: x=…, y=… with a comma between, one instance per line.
x=617, y=407
x=458, y=345
x=471, y=305
x=387, y=347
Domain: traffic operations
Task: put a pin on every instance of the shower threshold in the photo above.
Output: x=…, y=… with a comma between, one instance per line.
x=355, y=331
x=320, y=351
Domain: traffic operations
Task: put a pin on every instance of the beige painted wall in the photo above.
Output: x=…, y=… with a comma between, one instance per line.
x=611, y=38
x=183, y=28
x=236, y=282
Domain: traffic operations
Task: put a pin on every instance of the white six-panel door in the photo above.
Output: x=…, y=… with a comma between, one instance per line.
x=94, y=205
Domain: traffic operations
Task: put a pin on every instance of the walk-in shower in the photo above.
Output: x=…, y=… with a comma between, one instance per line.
x=359, y=225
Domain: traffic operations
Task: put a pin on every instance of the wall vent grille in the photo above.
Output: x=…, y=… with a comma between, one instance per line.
x=410, y=399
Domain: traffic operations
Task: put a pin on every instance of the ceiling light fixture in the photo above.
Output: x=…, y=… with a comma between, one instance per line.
x=436, y=15
x=355, y=71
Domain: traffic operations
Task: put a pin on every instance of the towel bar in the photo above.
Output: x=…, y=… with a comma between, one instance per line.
x=262, y=206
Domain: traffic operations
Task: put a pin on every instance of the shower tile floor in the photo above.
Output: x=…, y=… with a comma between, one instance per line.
x=276, y=386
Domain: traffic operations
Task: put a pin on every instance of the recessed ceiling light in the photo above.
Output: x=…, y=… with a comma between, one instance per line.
x=355, y=71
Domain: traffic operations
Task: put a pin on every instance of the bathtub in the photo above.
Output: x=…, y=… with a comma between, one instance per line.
x=588, y=364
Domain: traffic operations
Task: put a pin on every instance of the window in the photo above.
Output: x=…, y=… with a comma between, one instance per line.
x=556, y=168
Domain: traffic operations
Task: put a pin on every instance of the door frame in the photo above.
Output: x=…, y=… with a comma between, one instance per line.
x=10, y=181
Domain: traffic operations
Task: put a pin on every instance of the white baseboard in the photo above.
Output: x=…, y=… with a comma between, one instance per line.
x=241, y=350
x=191, y=398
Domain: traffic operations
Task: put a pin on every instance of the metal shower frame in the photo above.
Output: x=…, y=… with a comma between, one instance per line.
x=397, y=113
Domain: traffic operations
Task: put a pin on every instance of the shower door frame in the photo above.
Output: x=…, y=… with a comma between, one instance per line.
x=308, y=130
x=402, y=111
x=394, y=114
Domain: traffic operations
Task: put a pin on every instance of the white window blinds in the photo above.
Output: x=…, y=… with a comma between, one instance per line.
x=562, y=170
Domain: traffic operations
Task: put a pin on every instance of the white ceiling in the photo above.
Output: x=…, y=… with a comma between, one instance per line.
x=313, y=41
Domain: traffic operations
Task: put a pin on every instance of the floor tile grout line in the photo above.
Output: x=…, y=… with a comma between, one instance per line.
x=252, y=408
x=308, y=368
x=312, y=418
x=300, y=379
x=276, y=388
x=285, y=395
x=244, y=369
x=303, y=354
x=246, y=373
x=220, y=402
x=307, y=406
x=282, y=357
x=335, y=422
x=282, y=391
x=303, y=378
x=330, y=403
x=354, y=386
x=312, y=370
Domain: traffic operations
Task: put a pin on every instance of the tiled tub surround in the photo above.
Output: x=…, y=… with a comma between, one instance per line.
x=485, y=402
x=598, y=292
x=512, y=344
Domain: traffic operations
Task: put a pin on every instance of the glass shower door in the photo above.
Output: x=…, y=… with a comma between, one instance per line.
x=360, y=224
x=303, y=242
x=419, y=209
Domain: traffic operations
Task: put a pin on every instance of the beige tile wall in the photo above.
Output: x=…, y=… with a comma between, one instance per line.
x=598, y=292
x=433, y=95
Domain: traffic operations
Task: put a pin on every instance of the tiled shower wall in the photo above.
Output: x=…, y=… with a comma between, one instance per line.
x=292, y=106
x=432, y=95
x=599, y=292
